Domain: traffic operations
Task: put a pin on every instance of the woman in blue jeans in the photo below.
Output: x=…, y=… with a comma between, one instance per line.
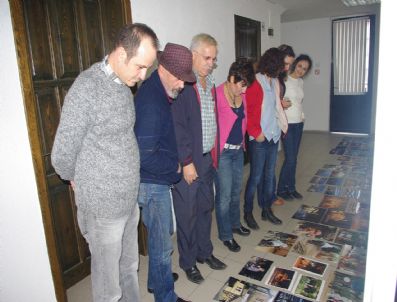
x=232, y=120
x=286, y=188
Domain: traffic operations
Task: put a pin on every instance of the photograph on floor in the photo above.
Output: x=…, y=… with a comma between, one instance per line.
x=277, y=243
x=308, y=287
x=256, y=268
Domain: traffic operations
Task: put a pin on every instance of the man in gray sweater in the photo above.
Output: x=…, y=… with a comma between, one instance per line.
x=96, y=150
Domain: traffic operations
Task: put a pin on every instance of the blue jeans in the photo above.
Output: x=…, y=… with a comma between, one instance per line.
x=263, y=158
x=156, y=204
x=291, y=143
x=228, y=184
x=113, y=245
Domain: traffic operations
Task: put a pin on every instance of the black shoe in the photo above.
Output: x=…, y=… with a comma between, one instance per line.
x=250, y=220
x=242, y=231
x=232, y=245
x=267, y=214
x=285, y=196
x=296, y=195
x=175, y=276
x=213, y=263
x=182, y=300
x=194, y=275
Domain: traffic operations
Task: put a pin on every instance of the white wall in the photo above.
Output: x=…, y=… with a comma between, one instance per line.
x=25, y=273
x=179, y=20
x=381, y=270
x=313, y=37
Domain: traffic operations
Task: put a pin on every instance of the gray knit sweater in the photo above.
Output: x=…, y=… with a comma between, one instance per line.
x=96, y=147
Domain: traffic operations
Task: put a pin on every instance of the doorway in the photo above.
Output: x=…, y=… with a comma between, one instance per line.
x=351, y=103
x=247, y=38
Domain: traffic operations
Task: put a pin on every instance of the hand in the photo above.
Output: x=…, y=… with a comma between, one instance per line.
x=286, y=103
x=260, y=138
x=72, y=184
x=189, y=173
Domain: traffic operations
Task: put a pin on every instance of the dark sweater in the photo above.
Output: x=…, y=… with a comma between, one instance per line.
x=155, y=133
x=187, y=119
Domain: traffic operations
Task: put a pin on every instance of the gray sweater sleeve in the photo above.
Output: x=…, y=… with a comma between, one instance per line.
x=72, y=129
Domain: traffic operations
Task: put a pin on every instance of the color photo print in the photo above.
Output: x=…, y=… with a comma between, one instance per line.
x=282, y=278
x=319, y=249
x=277, y=243
x=310, y=266
x=308, y=287
x=256, y=268
x=315, y=230
x=240, y=291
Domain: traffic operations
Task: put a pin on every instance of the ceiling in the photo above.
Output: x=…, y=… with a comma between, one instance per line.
x=296, y=10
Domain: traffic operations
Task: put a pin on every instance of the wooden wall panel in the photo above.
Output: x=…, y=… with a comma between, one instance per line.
x=39, y=39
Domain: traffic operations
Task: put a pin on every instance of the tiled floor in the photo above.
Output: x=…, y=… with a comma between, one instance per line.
x=314, y=153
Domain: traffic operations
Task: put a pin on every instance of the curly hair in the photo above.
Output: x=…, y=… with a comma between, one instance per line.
x=242, y=70
x=271, y=62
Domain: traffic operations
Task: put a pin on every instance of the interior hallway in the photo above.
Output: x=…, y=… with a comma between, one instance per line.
x=314, y=153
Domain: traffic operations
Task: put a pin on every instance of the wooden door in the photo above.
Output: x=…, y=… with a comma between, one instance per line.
x=55, y=41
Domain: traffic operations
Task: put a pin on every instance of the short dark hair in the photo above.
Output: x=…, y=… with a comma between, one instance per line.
x=271, y=62
x=302, y=57
x=242, y=70
x=287, y=50
x=131, y=35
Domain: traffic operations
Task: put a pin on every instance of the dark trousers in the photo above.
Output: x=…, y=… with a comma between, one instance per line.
x=291, y=143
x=263, y=158
x=193, y=206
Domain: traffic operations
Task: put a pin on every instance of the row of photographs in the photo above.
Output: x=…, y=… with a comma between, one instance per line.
x=352, y=147
x=332, y=234
x=343, y=288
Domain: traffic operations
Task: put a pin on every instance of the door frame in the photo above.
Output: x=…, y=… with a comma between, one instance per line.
x=371, y=81
x=25, y=72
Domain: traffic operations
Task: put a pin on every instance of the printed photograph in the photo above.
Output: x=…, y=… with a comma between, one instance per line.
x=282, y=278
x=321, y=250
x=309, y=213
x=333, y=202
x=315, y=230
x=318, y=180
x=348, y=205
x=309, y=287
x=332, y=190
x=316, y=188
x=277, y=243
x=256, y=268
x=324, y=172
x=233, y=290
x=361, y=220
x=334, y=181
x=260, y=294
x=353, y=261
x=338, y=219
x=352, y=238
x=286, y=297
x=310, y=266
x=346, y=288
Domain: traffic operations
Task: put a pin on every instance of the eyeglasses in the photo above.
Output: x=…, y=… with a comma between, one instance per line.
x=207, y=58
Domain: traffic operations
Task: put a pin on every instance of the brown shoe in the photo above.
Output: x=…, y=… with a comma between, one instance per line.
x=278, y=202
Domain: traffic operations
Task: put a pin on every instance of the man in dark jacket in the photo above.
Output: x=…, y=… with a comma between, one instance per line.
x=196, y=129
x=160, y=168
